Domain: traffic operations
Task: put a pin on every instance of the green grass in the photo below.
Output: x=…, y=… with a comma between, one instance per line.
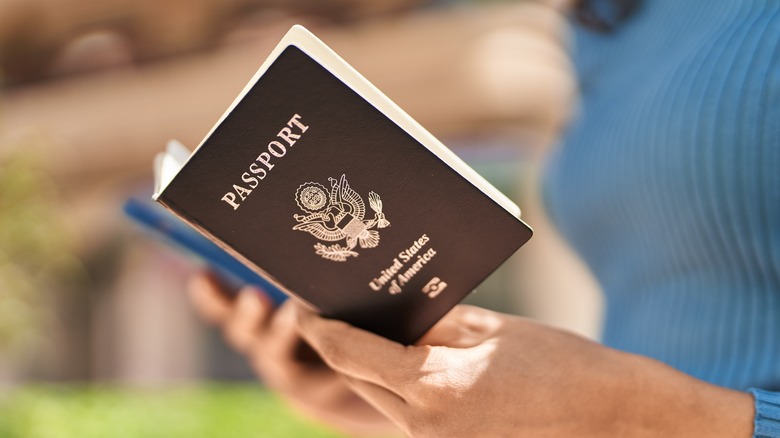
x=218, y=411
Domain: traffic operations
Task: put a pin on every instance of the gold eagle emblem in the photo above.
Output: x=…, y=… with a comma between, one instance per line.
x=338, y=214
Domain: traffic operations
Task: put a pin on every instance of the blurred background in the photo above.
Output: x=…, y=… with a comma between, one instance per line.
x=97, y=337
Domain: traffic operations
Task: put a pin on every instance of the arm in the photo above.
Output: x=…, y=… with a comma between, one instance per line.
x=483, y=373
x=767, y=421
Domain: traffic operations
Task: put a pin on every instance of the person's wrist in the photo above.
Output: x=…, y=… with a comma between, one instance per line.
x=661, y=401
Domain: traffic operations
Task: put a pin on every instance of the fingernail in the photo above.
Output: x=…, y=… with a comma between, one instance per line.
x=250, y=290
x=262, y=296
x=248, y=300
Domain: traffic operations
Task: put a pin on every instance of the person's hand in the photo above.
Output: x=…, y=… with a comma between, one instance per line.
x=269, y=339
x=479, y=373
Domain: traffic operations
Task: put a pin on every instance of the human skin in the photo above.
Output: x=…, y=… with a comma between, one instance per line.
x=269, y=340
x=476, y=373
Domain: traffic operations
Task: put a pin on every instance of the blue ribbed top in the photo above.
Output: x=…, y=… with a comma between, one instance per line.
x=668, y=185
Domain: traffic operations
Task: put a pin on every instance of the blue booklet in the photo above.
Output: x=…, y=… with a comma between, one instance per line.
x=168, y=228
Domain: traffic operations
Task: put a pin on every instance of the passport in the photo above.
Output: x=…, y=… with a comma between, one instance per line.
x=319, y=183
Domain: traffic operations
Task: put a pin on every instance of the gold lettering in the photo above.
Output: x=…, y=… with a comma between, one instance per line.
x=279, y=153
x=230, y=198
x=251, y=180
x=295, y=120
x=287, y=135
x=265, y=158
x=242, y=192
x=255, y=168
x=260, y=168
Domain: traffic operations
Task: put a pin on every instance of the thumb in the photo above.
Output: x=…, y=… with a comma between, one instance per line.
x=360, y=354
x=463, y=327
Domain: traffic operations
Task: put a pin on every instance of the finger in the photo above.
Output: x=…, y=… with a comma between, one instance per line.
x=360, y=354
x=319, y=386
x=282, y=325
x=388, y=403
x=281, y=340
x=463, y=327
x=248, y=315
x=275, y=353
x=346, y=410
x=208, y=299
